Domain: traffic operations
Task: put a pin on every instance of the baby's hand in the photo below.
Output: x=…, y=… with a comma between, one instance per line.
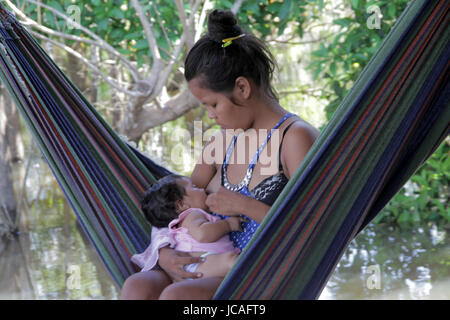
x=235, y=223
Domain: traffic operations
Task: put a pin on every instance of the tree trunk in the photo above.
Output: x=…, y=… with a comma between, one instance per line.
x=7, y=200
x=153, y=116
x=76, y=70
x=15, y=149
x=116, y=101
x=93, y=89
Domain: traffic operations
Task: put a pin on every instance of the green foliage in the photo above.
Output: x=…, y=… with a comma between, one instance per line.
x=426, y=197
x=339, y=61
x=267, y=18
x=116, y=22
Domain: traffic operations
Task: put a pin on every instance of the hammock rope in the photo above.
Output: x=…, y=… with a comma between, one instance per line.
x=391, y=121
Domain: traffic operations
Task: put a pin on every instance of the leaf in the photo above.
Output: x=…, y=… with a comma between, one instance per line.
x=391, y=10
x=320, y=5
x=405, y=216
x=141, y=44
x=133, y=36
x=117, y=13
x=337, y=88
x=360, y=56
x=48, y=18
x=124, y=51
x=343, y=22
x=103, y=25
x=333, y=69
x=281, y=28
x=322, y=52
x=117, y=34
x=252, y=8
x=57, y=6
x=439, y=205
x=274, y=8
x=378, y=218
x=285, y=9
x=355, y=4
x=226, y=4
x=317, y=72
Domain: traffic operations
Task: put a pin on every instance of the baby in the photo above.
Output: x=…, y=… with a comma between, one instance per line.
x=175, y=203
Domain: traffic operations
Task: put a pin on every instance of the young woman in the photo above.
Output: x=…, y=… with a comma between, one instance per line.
x=229, y=71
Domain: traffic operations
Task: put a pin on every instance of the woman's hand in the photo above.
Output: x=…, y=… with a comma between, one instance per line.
x=224, y=202
x=230, y=203
x=173, y=262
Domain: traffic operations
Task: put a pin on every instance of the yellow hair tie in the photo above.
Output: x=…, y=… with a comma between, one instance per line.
x=228, y=41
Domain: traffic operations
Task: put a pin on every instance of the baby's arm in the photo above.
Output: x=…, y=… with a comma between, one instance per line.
x=202, y=230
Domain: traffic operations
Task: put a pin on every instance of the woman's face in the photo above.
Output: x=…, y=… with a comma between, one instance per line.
x=220, y=108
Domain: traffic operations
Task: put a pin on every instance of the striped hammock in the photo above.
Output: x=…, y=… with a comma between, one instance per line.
x=391, y=121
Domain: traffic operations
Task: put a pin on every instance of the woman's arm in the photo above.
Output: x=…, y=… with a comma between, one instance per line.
x=205, y=168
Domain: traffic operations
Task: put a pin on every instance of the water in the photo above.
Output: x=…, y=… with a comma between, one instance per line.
x=53, y=259
x=392, y=263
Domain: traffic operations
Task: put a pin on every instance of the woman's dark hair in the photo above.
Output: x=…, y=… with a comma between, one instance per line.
x=219, y=67
x=160, y=201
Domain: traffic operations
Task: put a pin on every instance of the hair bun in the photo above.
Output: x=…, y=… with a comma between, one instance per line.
x=222, y=24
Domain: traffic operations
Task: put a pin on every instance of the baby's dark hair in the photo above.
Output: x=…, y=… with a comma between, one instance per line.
x=160, y=200
x=218, y=67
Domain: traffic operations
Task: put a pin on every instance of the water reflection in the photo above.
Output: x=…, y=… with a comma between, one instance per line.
x=413, y=263
x=53, y=259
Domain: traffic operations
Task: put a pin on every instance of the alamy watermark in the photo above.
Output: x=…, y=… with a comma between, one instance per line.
x=217, y=142
x=74, y=14
x=73, y=282
x=374, y=20
x=374, y=280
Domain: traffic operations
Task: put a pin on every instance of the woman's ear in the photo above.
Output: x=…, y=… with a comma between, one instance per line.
x=242, y=88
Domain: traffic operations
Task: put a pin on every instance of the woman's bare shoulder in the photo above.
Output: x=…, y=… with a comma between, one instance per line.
x=297, y=142
x=300, y=130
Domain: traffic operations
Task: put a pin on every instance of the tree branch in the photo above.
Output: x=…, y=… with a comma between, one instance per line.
x=188, y=28
x=147, y=31
x=98, y=41
x=151, y=117
x=89, y=64
x=155, y=7
x=201, y=21
x=236, y=6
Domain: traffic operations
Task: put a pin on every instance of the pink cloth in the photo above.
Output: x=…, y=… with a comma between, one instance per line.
x=180, y=239
x=148, y=259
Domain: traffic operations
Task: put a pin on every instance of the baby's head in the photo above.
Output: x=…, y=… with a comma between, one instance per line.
x=170, y=196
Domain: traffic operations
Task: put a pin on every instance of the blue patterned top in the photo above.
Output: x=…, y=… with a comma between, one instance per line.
x=266, y=191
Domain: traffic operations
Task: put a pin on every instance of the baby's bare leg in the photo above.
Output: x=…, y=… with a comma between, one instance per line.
x=217, y=265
